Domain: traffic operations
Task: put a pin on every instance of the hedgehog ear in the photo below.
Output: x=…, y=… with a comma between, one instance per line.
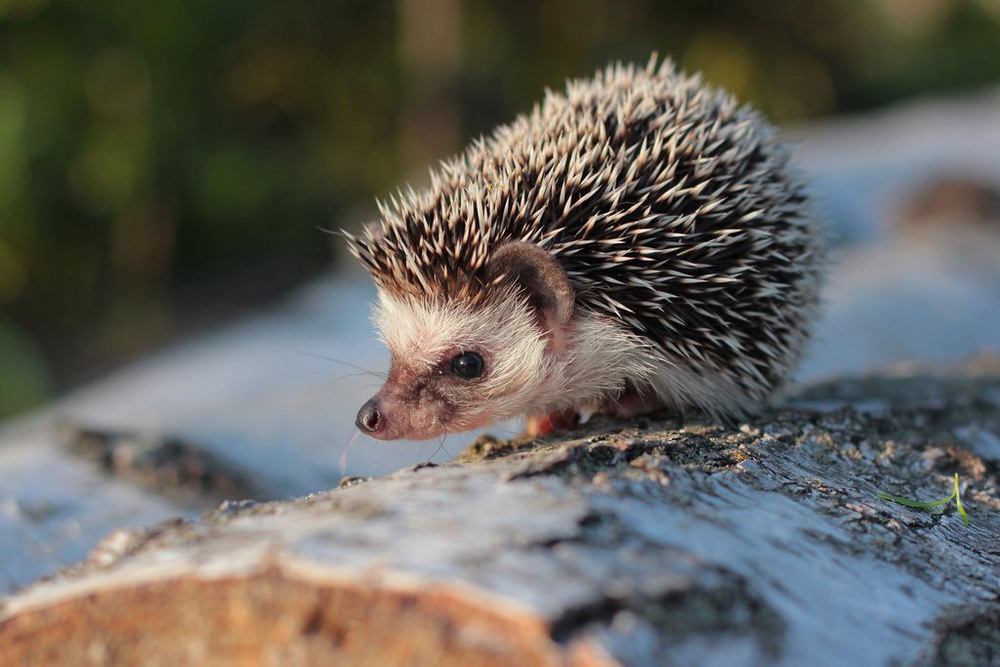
x=541, y=276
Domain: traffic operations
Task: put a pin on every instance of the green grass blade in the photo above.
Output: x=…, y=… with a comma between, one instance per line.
x=921, y=505
x=958, y=501
x=909, y=502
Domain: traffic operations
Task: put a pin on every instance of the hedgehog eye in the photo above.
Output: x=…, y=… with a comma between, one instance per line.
x=467, y=365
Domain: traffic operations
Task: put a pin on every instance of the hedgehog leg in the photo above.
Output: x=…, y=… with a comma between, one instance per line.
x=544, y=424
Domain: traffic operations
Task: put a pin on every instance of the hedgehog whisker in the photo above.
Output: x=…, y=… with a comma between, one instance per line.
x=341, y=378
x=343, y=456
x=440, y=448
x=362, y=370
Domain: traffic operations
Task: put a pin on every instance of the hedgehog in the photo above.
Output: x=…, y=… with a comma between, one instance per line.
x=639, y=242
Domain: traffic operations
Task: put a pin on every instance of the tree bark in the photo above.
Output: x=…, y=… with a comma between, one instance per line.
x=648, y=543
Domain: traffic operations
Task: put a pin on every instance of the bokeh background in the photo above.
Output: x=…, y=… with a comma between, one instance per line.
x=165, y=166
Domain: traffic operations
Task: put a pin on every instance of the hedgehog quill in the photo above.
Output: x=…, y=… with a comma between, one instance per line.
x=636, y=243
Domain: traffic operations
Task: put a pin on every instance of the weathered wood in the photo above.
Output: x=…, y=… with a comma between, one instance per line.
x=653, y=544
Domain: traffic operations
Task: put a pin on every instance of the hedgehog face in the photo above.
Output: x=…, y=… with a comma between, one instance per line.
x=454, y=369
x=458, y=365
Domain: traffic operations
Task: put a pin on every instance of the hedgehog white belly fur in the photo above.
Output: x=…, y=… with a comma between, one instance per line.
x=637, y=242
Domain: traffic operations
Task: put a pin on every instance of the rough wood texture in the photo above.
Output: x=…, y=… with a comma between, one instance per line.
x=653, y=544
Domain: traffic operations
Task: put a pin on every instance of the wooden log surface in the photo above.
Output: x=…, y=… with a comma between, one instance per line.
x=649, y=543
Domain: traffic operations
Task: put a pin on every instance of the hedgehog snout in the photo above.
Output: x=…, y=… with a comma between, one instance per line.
x=385, y=417
x=369, y=418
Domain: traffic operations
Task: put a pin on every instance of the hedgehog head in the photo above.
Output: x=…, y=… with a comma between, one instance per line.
x=458, y=364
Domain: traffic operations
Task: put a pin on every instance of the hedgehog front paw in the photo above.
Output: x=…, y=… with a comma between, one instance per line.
x=537, y=426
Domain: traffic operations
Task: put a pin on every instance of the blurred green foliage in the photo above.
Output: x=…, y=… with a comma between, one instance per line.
x=163, y=163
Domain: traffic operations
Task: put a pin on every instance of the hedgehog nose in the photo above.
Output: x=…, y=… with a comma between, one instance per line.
x=369, y=418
